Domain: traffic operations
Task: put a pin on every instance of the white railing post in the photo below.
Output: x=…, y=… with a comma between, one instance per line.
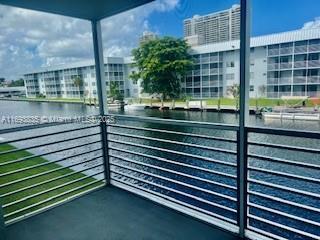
x=102, y=92
x=244, y=114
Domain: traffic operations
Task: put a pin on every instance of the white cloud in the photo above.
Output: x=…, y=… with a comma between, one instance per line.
x=312, y=24
x=31, y=39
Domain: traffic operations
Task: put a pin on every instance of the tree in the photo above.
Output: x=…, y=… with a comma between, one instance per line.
x=17, y=83
x=161, y=63
x=234, y=91
x=115, y=92
x=78, y=82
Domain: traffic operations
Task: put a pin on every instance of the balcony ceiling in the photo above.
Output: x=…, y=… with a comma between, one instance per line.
x=84, y=9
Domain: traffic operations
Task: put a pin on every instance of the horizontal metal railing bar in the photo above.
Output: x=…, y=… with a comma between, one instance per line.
x=168, y=179
x=290, y=203
x=274, y=224
x=58, y=203
x=48, y=190
x=284, y=132
x=51, y=198
x=174, y=132
x=174, y=190
x=47, y=134
x=39, y=155
x=174, y=152
x=40, y=165
x=46, y=144
x=283, y=214
x=180, y=164
x=284, y=161
x=174, y=200
x=178, y=143
x=289, y=189
x=36, y=126
x=177, y=122
x=44, y=173
x=29, y=127
x=50, y=180
x=282, y=174
x=286, y=147
x=252, y=230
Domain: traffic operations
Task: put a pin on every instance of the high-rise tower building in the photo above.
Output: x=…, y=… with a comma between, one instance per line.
x=213, y=28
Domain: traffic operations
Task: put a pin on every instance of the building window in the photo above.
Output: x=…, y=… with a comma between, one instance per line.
x=230, y=64
x=251, y=88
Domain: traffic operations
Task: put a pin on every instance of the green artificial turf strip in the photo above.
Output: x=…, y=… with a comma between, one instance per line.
x=31, y=162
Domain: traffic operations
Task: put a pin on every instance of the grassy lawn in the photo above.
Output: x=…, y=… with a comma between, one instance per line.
x=261, y=102
x=34, y=161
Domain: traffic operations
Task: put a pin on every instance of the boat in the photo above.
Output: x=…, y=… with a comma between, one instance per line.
x=297, y=111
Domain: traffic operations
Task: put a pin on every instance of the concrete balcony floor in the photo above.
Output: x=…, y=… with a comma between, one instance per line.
x=113, y=214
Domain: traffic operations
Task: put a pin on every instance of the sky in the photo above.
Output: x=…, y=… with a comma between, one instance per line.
x=30, y=40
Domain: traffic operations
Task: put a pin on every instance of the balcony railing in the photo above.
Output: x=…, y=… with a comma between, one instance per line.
x=285, y=80
x=314, y=63
x=314, y=48
x=285, y=51
x=300, y=64
x=299, y=79
x=301, y=49
x=189, y=166
x=313, y=79
x=273, y=52
x=41, y=170
x=286, y=65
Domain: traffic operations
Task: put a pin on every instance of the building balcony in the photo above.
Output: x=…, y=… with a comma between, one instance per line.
x=314, y=63
x=273, y=52
x=273, y=66
x=286, y=51
x=314, y=48
x=299, y=79
x=313, y=79
x=301, y=49
x=300, y=64
x=273, y=81
x=287, y=65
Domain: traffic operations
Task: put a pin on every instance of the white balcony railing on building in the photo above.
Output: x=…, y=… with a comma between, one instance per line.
x=285, y=80
x=286, y=65
x=205, y=71
x=214, y=71
x=205, y=60
x=314, y=48
x=300, y=64
x=284, y=51
x=214, y=59
x=299, y=79
x=301, y=49
x=313, y=79
x=273, y=52
x=314, y=63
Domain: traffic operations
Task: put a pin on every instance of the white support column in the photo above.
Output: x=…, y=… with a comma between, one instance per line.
x=244, y=114
x=102, y=93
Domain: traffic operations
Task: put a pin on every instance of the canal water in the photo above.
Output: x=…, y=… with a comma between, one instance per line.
x=10, y=109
